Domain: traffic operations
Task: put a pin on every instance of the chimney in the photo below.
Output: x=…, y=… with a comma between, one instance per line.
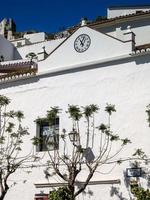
x=83, y=22
x=129, y=36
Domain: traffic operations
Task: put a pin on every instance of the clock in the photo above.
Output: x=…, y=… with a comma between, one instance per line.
x=82, y=43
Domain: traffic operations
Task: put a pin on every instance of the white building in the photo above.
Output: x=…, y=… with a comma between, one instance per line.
x=112, y=66
x=7, y=28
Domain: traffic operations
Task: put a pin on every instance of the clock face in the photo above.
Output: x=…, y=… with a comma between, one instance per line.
x=82, y=43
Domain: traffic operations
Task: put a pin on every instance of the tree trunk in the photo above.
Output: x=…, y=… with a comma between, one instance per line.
x=88, y=133
x=72, y=190
x=4, y=189
x=3, y=194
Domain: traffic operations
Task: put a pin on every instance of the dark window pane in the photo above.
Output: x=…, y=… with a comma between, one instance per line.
x=49, y=135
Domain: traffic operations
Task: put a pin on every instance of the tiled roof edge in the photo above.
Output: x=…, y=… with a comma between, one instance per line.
x=105, y=21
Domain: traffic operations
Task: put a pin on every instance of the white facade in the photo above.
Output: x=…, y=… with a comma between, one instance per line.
x=29, y=38
x=121, y=18
x=35, y=37
x=113, y=12
x=109, y=71
x=38, y=47
x=139, y=27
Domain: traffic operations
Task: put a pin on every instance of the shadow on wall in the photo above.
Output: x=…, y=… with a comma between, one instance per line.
x=86, y=194
x=142, y=59
x=17, y=55
x=138, y=60
x=15, y=83
x=115, y=191
x=145, y=175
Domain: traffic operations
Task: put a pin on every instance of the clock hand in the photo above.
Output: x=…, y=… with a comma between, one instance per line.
x=83, y=39
x=81, y=43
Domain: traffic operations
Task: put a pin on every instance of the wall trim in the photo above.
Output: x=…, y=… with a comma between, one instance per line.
x=48, y=185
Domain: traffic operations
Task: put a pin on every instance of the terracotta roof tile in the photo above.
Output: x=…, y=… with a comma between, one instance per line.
x=142, y=48
x=105, y=21
x=120, y=17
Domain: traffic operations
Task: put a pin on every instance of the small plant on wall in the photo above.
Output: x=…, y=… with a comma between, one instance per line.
x=140, y=193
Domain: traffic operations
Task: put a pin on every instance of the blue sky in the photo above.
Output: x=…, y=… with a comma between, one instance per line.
x=51, y=15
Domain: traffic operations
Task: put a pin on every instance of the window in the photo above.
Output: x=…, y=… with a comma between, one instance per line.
x=48, y=135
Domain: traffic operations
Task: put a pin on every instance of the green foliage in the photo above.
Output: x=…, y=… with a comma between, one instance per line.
x=4, y=101
x=74, y=112
x=114, y=137
x=19, y=114
x=10, y=127
x=89, y=110
x=52, y=115
x=36, y=141
x=140, y=193
x=125, y=141
x=102, y=127
x=41, y=120
x=140, y=153
x=60, y=194
x=80, y=149
x=100, y=18
x=110, y=108
x=12, y=114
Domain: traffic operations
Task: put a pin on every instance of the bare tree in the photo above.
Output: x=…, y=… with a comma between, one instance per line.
x=88, y=149
x=11, y=134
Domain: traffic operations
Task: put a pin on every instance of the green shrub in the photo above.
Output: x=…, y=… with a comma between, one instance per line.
x=60, y=194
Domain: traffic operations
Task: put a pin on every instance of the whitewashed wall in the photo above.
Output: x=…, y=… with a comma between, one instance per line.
x=38, y=48
x=35, y=37
x=100, y=49
x=123, y=83
x=140, y=27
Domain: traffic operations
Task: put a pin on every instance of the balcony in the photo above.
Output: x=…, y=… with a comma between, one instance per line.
x=17, y=70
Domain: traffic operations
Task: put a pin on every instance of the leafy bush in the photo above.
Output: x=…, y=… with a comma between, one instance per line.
x=141, y=193
x=60, y=194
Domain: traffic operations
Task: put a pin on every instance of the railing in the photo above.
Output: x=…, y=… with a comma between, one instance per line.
x=17, y=69
x=142, y=48
x=18, y=74
x=17, y=66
